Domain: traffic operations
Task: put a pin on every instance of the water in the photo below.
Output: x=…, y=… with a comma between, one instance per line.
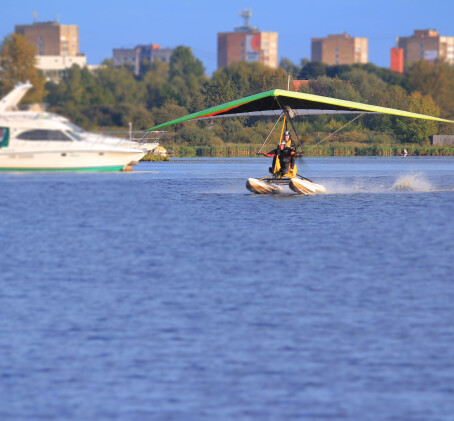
x=172, y=293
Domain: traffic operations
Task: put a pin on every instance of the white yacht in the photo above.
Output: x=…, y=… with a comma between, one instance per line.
x=42, y=141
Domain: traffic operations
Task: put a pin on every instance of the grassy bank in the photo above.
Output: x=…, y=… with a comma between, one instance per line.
x=334, y=149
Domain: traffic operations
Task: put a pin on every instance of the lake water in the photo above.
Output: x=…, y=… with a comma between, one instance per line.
x=172, y=293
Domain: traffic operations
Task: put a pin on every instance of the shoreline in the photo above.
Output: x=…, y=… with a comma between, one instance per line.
x=249, y=151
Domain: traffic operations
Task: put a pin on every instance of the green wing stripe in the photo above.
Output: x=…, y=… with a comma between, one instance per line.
x=215, y=110
x=274, y=99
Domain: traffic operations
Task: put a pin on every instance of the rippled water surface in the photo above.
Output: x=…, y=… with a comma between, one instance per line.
x=172, y=293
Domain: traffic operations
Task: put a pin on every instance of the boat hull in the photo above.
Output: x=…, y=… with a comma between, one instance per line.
x=68, y=160
x=262, y=187
x=306, y=187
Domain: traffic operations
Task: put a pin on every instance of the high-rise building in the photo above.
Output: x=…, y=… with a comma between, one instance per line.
x=57, y=47
x=51, y=38
x=134, y=56
x=340, y=49
x=427, y=45
x=247, y=43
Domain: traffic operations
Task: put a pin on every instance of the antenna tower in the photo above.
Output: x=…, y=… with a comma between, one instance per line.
x=246, y=15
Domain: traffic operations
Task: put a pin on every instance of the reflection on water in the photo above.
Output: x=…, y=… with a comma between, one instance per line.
x=174, y=293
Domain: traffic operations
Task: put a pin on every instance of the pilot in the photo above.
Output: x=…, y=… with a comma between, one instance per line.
x=286, y=154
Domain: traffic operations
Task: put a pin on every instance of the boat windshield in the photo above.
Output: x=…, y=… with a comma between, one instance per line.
x=75, y=127
x=74, y=135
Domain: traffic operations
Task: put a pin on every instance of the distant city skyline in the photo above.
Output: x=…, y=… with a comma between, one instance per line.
x=105, y=25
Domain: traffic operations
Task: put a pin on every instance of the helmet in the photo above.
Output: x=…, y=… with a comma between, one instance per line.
x=287, y=133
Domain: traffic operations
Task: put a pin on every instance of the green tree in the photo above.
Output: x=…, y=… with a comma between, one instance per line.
x=169, y=111
x=183, y=63
x=238, y=75
x=416, y=130
x=243, y=79
x=290, y=68
x=156, y=85
x=79, y=87
x=386, y=75
x=219, y=91
x=312, y=70
x=186, y=76
x=366, y=84
x=268, y=79
x=391, y=97
x=121, y=84
x=191, y=134
x=335, y=88
x=436, y=80
x=17, y=64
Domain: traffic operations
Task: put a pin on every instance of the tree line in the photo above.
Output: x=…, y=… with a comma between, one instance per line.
x=113, y=96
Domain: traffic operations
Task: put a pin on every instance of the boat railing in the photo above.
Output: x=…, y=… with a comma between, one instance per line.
x=139, y=136
x=146, y=137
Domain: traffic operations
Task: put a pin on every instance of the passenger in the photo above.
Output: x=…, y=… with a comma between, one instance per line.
x=286, y=155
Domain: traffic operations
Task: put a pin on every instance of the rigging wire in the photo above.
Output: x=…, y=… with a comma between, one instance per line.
x=333, y=133
x=275, y=124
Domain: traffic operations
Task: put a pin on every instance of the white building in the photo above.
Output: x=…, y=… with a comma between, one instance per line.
x=54, y=67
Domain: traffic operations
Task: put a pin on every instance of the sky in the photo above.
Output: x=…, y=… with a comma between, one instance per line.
x=108, y=24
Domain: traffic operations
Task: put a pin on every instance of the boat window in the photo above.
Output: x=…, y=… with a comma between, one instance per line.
x=4, y=137
x=44, y=135
x=74, y=135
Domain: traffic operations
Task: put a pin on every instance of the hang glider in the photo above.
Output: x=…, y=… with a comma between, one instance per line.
x=277, y=101
x=289, y=104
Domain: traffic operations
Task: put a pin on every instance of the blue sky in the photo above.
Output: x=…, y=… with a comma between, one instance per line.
x=108, y=24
